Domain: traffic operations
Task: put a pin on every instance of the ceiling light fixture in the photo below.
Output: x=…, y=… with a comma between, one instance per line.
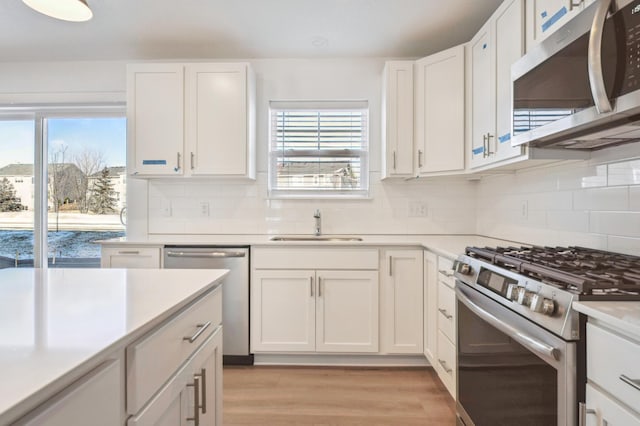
x=67, y=10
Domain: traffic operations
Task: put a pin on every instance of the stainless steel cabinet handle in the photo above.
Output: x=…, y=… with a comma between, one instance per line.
x=201, y=329
x=216, y=254
x=394, y=160
x=594, y=58
x=203, y=389
x=445, y=313
x=196, y=401
x=179, y=157
x=631, y=382
x=489, y=152
x=311, y=285
x=319, y=286
x=192, y=166
x=583, y=411
x=516, y=334
x=129, y=252
x=445, y=273
x=419, y=158
x=484, y=146
x=573, y=4
x=444, y=365
x=390, y=266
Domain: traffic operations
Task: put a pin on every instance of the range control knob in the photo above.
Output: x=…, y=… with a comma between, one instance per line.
x=524, y=297
x=462, y=268
x=542, y=305
x=513, y=291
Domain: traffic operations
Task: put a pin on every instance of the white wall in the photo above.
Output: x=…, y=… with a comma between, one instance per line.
x=594, y=204
x=243, y=207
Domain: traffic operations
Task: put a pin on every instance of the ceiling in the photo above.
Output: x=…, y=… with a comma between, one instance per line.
x=166, y=29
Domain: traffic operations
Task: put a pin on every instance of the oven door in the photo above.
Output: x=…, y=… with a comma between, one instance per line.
x=510, y=371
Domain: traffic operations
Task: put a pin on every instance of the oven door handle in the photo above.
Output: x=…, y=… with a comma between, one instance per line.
x=519, y=336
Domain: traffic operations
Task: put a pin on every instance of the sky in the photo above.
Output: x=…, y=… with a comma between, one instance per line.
x=106, y=135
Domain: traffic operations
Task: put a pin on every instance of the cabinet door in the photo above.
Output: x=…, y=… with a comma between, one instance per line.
x=283, y=311
x=608, y=411
x=208, y=368
x=402, y=302
x=217, y=119
x=130, y=257
x=509, y=47
x=430, y=306
x=96, y=399
x=347, y=311
x=155, y=111
x=397, y=120
x=482, y=96
x=546, y=16
x=439, y=118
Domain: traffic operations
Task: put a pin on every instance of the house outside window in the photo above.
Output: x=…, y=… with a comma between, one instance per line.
x=319, y=149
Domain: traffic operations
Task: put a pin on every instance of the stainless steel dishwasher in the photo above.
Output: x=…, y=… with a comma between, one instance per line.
x=235, y=291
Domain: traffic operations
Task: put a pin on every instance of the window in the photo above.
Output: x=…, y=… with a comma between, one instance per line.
x=50, y=162
x=318, y=149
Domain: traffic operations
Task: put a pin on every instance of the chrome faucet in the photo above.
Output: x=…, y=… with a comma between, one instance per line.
x=316, y=215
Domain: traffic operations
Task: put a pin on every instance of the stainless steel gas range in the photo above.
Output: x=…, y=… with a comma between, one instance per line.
x=521, y=346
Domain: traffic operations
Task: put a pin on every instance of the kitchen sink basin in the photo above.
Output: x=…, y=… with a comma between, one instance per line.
x=313, y=238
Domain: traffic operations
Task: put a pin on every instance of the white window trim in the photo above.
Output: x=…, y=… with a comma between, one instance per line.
x=315, y=193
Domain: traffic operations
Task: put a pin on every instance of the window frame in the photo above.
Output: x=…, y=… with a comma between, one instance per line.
x=315, y=193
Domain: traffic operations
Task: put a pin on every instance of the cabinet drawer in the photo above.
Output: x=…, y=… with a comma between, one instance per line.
x=447, y=311
x=445, y=271
x=612, y=359
x=130, y=257
x=607, y=411
x=314, y=258
x=153, y=359
x=446, y=360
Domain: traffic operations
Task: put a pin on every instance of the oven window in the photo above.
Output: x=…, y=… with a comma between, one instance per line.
x=499, y=381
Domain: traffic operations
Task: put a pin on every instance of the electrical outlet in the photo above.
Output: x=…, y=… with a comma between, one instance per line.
x=524, y=209
x=166, y=208
x=418, y=208
x=204, y=208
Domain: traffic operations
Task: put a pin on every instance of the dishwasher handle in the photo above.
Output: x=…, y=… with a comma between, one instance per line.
x=205, y=254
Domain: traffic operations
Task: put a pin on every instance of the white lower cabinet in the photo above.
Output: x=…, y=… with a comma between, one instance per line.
x=130, y=257
x=613, y=377
x=314, y=311
x=430, y=302
x=193, y=395
x=401, y=313
x=96, y=399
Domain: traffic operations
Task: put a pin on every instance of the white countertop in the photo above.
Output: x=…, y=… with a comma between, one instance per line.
x=55, y=321
x=622, y=316
x=445, y=245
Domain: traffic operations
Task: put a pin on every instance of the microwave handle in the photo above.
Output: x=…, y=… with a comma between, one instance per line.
x=596, y=78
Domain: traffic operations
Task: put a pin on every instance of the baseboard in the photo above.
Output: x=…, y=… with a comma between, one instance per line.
x=342, y=360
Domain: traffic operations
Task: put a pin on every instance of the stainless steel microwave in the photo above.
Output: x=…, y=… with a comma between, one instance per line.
x=580, y=88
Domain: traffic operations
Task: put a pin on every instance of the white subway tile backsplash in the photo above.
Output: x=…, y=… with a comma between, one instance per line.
x=634, y=198
x=573, y=221
x=581, y=176
x=625, y=245
x=624, y=173
x=606, y=199
x=625, y=224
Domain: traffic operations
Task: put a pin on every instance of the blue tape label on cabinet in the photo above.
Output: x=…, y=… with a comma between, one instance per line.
x=478, y=150
x=555, y=18
x=544, y=14
x=154, y=162
x=504, y=138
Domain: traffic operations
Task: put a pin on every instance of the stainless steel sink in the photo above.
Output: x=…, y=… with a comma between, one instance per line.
x=312, y=238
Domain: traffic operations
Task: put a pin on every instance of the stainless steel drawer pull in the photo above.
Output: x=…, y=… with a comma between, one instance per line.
x=206, y=254
x=192, y=166
x=196, y=401
x=178, y=158
x=444, y=365
x=129, y=252
x=311, y=285
x=445, y=313
x=390, y=266
x=319, y=286
x=394, y=160
x=583, y=411
x=445, y=273
x=631, y=382
x=201, y=329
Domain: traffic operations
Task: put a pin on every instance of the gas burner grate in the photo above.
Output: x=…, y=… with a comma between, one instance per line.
x=577, y=269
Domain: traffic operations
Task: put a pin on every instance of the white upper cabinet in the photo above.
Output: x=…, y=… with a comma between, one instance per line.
x=439, y=112
x=546, y=16
x=218, y=129
x=397, y=119
x=191, y=119
x=155, y=111
x=498, y=44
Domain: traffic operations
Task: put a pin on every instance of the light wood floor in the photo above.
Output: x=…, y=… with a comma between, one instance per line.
x=330, y=396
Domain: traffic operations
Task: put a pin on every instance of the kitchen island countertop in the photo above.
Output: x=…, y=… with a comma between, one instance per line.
x=622, y=316
x=56, y=324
